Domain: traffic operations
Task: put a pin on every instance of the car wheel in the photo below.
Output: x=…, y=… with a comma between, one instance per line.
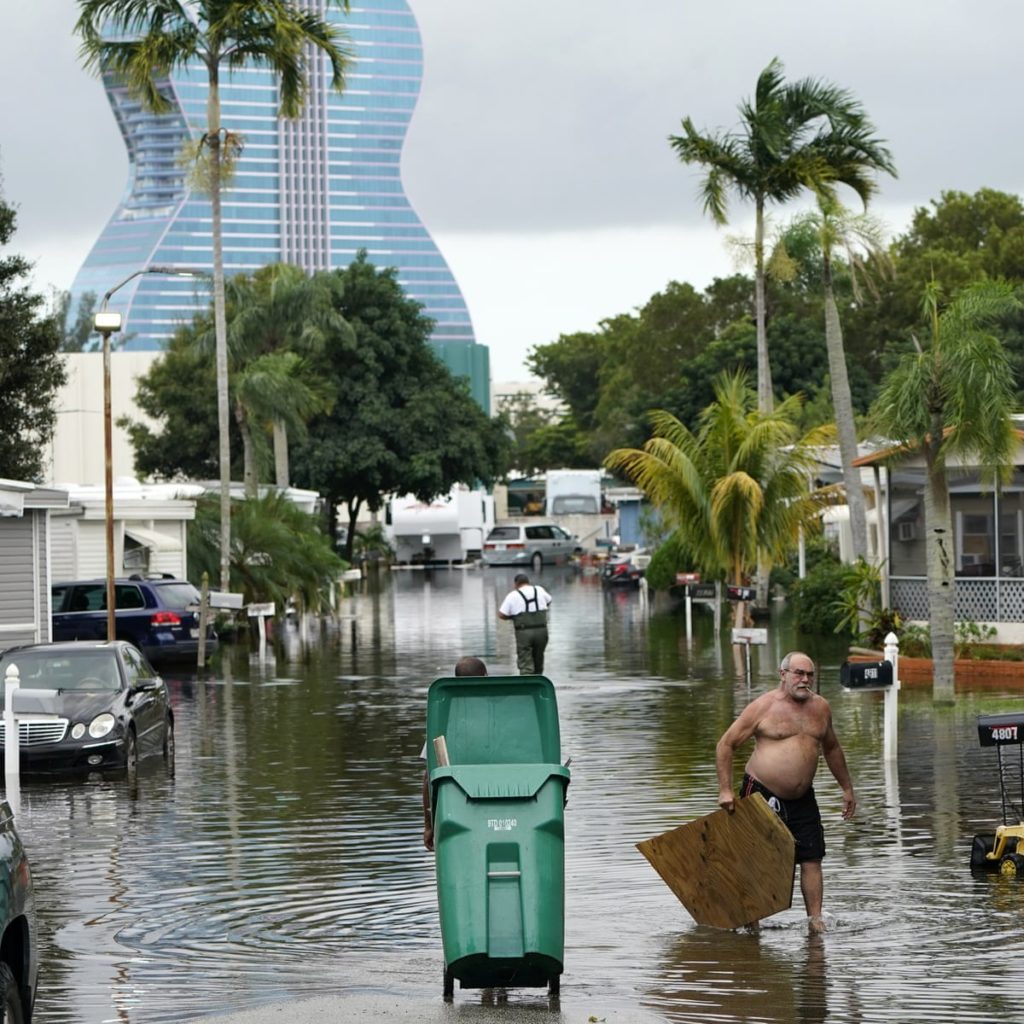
x=537, y=562
x=169, y=743
x=10, y=997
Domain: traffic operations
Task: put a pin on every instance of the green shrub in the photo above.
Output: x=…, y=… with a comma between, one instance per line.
x=815, y=598
x=667, y=559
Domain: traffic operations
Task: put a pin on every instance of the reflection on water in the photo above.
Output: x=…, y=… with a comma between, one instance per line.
x=283, y=859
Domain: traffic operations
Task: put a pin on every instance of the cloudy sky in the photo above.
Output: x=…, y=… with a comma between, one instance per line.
x=538, y=156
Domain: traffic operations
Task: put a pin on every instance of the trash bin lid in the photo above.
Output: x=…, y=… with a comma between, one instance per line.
x=494, y=720
x=501, y=781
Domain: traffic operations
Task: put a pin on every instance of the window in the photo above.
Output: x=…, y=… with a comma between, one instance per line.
x=127, y=596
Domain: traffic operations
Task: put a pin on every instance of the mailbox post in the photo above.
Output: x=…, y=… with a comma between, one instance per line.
x=12, y=741
x=684, y=579
x=262, y=612
x=880, y=675
x=890, y=735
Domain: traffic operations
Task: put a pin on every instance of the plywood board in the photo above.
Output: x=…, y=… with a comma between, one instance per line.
x=728, y=870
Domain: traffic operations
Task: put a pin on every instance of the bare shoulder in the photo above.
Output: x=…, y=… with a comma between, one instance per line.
x=820, y=704
x=761, y=706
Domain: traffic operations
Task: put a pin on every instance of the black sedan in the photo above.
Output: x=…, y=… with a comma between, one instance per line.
x=87, y=706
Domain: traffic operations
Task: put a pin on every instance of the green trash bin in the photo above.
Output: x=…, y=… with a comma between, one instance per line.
x=499, y=836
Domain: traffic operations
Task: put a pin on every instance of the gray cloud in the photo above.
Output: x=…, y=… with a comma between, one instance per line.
x=552, y=115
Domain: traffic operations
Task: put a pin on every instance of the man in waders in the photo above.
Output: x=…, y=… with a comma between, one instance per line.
x=527, y=608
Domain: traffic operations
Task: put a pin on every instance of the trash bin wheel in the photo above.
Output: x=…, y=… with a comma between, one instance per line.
x=555, y=985
x=1012, y=866
x=449, y=984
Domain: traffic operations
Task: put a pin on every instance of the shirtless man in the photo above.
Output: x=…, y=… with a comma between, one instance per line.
x=791, y=726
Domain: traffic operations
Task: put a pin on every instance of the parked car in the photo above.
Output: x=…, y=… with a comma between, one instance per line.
x=533, y=544
x=159, y=615
x=622, y=571
x=94, y=706
x=19, y=956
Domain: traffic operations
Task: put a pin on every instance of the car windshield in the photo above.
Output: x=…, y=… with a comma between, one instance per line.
x=66, y=670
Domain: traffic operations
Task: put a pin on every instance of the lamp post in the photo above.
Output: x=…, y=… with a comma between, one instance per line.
x=106, y=323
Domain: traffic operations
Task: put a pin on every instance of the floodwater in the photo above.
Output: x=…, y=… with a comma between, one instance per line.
x=283, y=859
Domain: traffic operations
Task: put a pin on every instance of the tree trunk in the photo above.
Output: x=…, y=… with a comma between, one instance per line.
x=249, y=481
x=765, y=399
x=281, y=472
x=353, y=514
x=941, y=579
x=213, y=140
x=842, y=403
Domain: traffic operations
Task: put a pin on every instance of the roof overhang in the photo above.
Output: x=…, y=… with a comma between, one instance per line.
x=152, y=538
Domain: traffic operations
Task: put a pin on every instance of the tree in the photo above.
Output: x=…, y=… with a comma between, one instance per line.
x=278, y=552
x=31, y=370
x=178, y=392
x=141, y=41
x=738, y=490
x=77, y=335
x=278, y=318
x=792, y=137
x=400, y=424
x=955, y=240
x=953, y=398
x=833, y=233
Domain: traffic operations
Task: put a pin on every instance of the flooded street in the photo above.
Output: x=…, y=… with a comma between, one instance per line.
x=283, y=859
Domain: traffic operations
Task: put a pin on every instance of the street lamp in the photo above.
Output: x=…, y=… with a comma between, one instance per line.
x=106, y=323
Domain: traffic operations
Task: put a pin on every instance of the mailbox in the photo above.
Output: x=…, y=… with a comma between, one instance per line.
x=740, y=593
x=865, y=675
x=1000, y=730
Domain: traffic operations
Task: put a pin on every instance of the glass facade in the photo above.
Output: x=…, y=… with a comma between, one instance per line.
x=313, y=191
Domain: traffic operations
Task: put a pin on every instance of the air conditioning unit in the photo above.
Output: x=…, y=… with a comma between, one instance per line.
x=907, y=530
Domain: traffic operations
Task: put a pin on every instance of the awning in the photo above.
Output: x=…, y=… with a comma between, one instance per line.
x=12, y=503
x=151, y=539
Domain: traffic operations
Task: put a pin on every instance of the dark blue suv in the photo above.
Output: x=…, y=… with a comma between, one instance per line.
x=160, y=615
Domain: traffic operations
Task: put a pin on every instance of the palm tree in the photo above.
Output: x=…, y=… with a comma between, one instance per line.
x=142, y=41
x=860, y=239
x=278, y=318
x=793, y=136
x=739, y=489
x=953, y=398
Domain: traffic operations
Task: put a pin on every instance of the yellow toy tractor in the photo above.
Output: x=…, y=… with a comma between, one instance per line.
x=998, y=851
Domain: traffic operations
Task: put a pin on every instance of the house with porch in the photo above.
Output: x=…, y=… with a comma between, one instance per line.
x=987, y=541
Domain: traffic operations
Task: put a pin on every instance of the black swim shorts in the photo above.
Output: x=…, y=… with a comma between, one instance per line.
x=801, y=817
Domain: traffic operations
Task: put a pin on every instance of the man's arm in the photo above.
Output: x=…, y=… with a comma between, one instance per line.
x=836, y=761
x=734, y=737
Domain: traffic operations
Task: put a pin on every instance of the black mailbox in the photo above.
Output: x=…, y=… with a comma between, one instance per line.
x=865, y=675
x=1000, y=730
x=740, y=593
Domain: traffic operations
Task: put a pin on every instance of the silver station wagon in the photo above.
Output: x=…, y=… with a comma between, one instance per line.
x=533, y=544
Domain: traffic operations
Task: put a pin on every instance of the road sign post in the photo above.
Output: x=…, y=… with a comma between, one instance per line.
x=749, y=636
